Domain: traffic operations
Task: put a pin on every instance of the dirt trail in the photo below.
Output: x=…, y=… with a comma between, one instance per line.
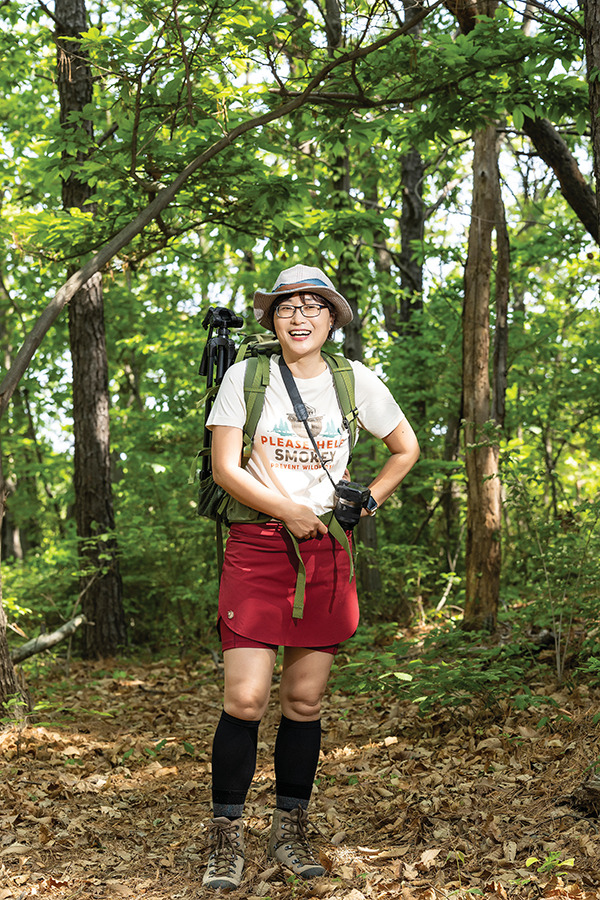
x=109, y=797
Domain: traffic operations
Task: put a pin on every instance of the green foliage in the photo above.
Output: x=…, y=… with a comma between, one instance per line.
x=552, y=864
x=561, y=560
x=452, y=668
x=322, y=184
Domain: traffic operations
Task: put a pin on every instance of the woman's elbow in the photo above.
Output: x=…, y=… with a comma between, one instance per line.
x=416, y=452
x=220, y=474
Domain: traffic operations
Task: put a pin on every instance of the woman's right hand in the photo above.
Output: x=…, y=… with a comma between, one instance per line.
x=303, y=523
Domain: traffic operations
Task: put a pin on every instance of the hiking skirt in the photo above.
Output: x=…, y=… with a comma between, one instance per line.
x=258, y=583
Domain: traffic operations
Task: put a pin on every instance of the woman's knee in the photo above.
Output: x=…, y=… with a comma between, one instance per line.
x=247, y=682
x=300, y=705
x=303, y=683
x=246, y=703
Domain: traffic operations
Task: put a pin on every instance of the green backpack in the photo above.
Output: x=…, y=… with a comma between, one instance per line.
x=213, y=501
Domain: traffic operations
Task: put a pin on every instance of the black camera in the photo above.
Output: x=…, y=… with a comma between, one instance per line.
x=350, y=499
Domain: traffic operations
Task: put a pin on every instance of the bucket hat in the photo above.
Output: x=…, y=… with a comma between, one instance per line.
x=301, y=278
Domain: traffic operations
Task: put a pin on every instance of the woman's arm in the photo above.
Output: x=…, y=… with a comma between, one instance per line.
x=227, y=445
x=404, y=449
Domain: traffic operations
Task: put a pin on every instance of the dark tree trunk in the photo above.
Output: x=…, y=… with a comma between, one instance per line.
x=412, y=226
x=500, y=367
x=483, y=550
x=100, y=580
x=369, y=576
x=592, y=54
x=412, y=230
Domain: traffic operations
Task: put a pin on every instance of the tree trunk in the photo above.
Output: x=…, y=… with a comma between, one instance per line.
x=500, y=368
x=412, y=230
x=369, y=576
x=592, y=54
x=100, y=579
x=483, y=551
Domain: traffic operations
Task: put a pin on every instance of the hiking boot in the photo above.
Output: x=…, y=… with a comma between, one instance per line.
x=226, y=861
x=288, y=843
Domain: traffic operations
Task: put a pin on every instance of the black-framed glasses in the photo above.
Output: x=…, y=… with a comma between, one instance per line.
x=309, y=310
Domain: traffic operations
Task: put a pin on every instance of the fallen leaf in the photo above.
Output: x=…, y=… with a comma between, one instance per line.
x=120, y=890
x=492, y=743
x=15, y=849
x=428, y=857
x=325, y=861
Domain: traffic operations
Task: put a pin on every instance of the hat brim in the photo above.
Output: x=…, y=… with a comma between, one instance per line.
x=263, y=302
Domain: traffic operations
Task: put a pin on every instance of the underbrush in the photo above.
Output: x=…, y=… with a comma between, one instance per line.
x=447, y=667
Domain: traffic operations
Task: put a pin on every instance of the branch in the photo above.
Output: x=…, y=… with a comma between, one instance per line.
x=51, y=15
x=573, y=186
x=45, y=641
x=164, y=198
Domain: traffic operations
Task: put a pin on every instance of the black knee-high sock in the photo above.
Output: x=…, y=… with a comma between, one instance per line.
x=296, y=757
x=233, y=764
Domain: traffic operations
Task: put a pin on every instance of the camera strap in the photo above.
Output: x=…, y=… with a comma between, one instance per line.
x=300, y=410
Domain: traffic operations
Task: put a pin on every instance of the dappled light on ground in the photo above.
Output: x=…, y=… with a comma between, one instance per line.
x=459, y=804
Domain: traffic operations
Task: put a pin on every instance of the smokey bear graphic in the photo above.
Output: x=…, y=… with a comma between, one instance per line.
x=315, y=422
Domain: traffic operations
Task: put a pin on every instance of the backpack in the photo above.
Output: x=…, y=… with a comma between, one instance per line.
x=213, y=501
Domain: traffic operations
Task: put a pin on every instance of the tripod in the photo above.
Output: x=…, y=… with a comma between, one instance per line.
x=219, y=353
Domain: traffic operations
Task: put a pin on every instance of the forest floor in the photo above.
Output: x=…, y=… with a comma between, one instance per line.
x=109, y=796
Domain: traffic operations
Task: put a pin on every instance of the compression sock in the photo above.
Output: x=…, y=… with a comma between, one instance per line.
x=296, y=758
x=233, y=764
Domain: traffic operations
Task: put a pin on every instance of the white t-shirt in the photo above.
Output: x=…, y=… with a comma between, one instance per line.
x=282, y=455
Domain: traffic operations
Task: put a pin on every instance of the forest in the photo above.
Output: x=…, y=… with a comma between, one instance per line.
x=440, y=162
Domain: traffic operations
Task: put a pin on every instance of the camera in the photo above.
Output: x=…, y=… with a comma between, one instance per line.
x=350, y=499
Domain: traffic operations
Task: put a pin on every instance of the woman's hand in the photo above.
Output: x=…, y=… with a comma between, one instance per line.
x=302, y=522
x=227, y=471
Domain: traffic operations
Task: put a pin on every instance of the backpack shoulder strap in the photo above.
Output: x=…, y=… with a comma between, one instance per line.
x=343, y=379
x=256, y=380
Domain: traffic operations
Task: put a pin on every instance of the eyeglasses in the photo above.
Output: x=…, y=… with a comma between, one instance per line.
x=309, y=310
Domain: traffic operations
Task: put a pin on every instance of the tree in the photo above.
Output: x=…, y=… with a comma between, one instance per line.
x=483, y=554
x=211, y=139
x=592, y=52
x=101, y=589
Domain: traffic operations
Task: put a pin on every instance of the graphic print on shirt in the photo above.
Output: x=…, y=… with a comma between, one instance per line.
x=292, y=446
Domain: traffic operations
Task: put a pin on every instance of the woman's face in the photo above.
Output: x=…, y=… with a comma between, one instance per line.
x=301, y=334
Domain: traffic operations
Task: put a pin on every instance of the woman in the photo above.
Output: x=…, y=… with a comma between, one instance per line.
x=285, y=480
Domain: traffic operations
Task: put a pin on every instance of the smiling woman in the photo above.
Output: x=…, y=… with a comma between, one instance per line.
x=302, y=326
x=297, y=464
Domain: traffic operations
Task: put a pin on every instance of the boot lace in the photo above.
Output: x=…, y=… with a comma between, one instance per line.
x=294, y=837
x=224, y=849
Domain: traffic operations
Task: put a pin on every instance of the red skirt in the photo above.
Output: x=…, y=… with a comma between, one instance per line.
x=258, y=583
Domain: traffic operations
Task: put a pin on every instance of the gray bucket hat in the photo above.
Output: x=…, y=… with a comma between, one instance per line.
x=301, y=278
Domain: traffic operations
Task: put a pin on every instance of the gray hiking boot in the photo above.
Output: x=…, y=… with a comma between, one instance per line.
x=288, y=843
x=226, y=861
